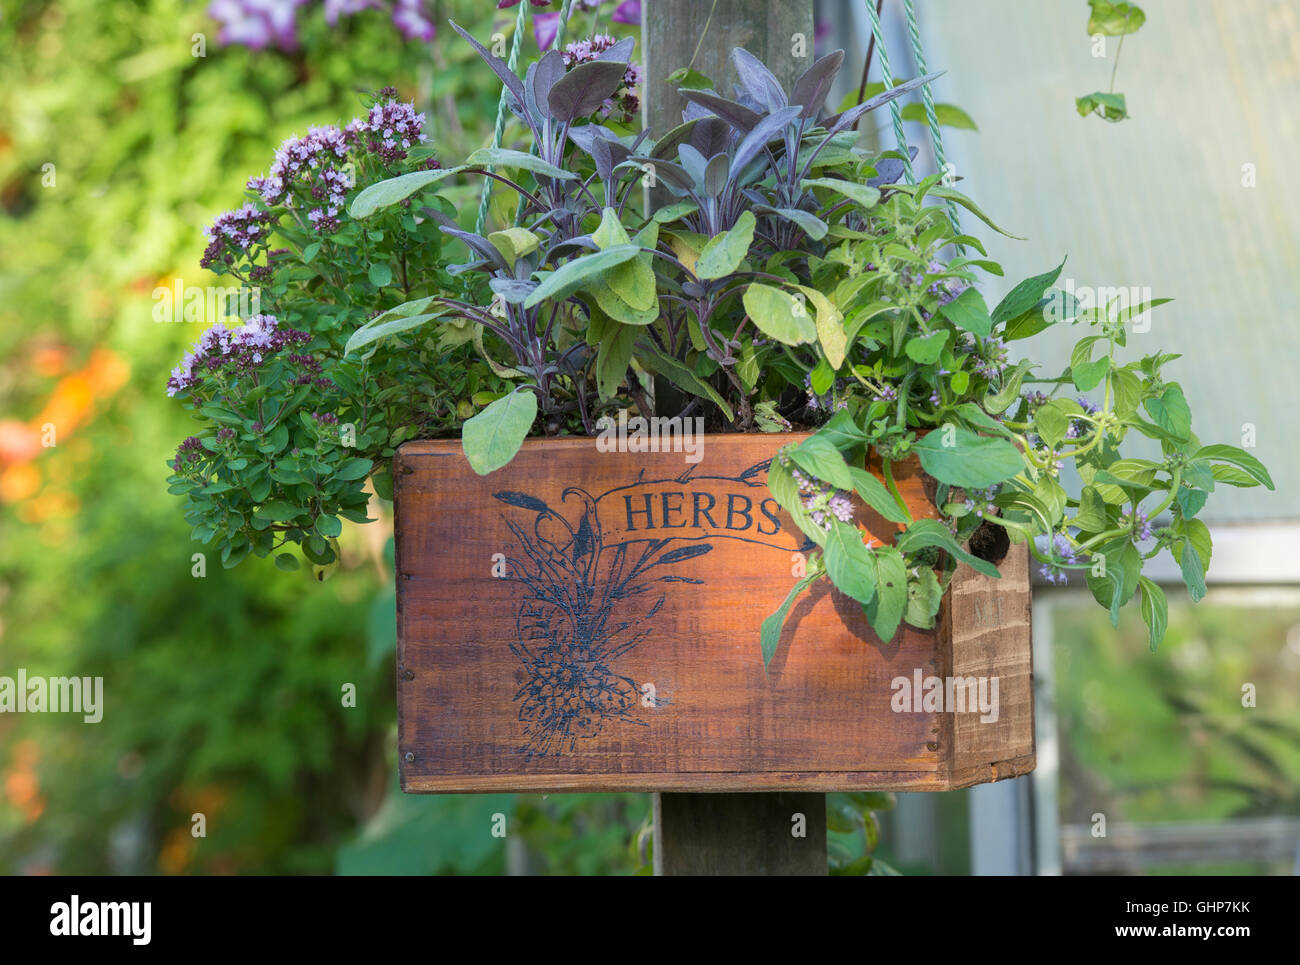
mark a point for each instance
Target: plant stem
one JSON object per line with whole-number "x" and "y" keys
{"x": 1174, "y": 483}
{"x": 699, "y": 43}
{"x": 887, "y": 466}
{"x": 866, "y": 64}
{"x": 1119, "y": 49}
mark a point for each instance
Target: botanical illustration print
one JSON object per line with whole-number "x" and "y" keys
{"x": 591, "y": 589}
{"x": 584, "y": 606}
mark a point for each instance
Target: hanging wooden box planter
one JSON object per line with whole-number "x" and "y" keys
{"x": 589, "y": 621}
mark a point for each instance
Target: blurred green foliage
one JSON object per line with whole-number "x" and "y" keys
{"x": 1165, "y": 737}
{"x": 223, "y": 693}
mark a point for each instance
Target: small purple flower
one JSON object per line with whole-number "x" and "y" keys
{"x": 1061, "y": 552}
{"x": 1035, "y": 399}
{"x": 325, "y": 221}
{"x": 824, "y": 502}
{"x": 841, "y": 507}
{"x": 394, "y": 128}
{"x": 1138, "y": 523}
{"x": 258, "y": 24}
{"x": 991, "y": 357}
{"x": 1080, "y": 428}
{"x": 346, "y": 8}
{"x": 980, "y": 501}
{"x": 188, "y": 453}
{"x": 231, "y": 352}
{"x": 234, "y": 235}
{"x": 627, "y": 99}
{"x": 946, "y": 288}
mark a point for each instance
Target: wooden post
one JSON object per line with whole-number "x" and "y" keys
{"x": 740, "y": 834}
{"x": 729, "y": 834}
{"x": 702, "y": 33}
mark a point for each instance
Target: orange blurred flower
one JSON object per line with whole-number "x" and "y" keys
{"x": 19, "y": 481}
{"x": 50, "y": 360}
{"x": 21, "y": 785}
{"x": 18, "y": 442}
{"x": 70, "y": 405}
{"x": 176, "y": 852}
{"x": 50, "y": 505}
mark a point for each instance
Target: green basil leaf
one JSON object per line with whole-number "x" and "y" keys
{"x": 969, "y": 312}
{"x": 818, "y": 456}
{"x": 849, "y": 563}
{"x": 877, "y": 496}
{"x": 972, "y": 461}
{"x": 885, "y": 611}
{"x": 931, "y": 532}
{"x": 1237, "y": 457}
{"x": 770, "y": 631}
{"x": 1025, "y": 295}
{"x": 1155, "y": 611}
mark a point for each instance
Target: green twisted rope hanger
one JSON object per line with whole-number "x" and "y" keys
{"x": 936, "y": 139}
{"x": 894, "y": 109}
{"x": 521, "y": 26}
{"x": 927, "y": 97}
{"x": 560, "y": 28}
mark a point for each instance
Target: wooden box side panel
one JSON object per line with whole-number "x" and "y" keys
{"x": 992, "y": 670}
{"x": 482, "y": 659}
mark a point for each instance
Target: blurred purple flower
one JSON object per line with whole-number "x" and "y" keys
{"x": 822, "y": 30}
{"x": 257, "y": 23}
{"x": 346, "y": 8}
{"x": 409, "y": 18}
{"x": 1139, "y": 524}
{"x": 629, "y": 12}
{"x": 545, "y": 27}
{"x": 262, "y": 23}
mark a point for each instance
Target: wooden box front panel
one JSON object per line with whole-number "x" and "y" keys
{"x": 585, "y": 620}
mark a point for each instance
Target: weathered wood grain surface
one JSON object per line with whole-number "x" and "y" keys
{"x": 610, "y": 657}
{"x": 701, "y": 34}
{"x": 740, "y": 834}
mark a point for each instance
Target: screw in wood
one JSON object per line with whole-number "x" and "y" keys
{"x": 408, "y": 675}
{"x": 932, "y": 746}
{"x": 410, "y": 756}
